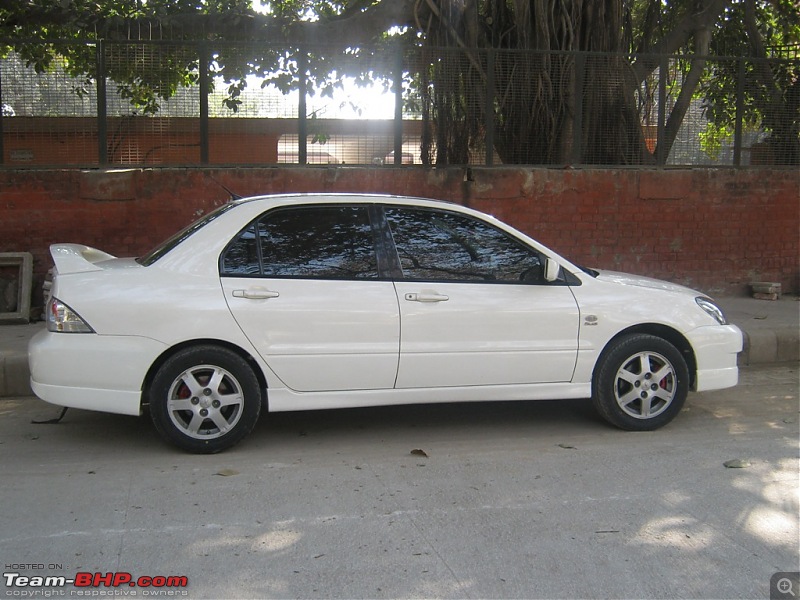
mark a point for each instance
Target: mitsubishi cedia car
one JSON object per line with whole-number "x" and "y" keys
{"x": 300, "y": 302}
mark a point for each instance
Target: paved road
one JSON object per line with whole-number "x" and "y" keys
{"x": 513, "y": 500}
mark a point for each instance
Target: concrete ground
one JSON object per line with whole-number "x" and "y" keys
{"x": 504, "y": 500}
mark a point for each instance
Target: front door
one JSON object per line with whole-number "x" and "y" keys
{"x": 474, "y": 306}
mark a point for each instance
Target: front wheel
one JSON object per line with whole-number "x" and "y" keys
{"x": 640, "y": 383}
{"x": 205, "y": 399}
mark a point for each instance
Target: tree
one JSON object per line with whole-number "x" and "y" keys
{"x": 516, "y": 67}
{"x": 768, "y": 86}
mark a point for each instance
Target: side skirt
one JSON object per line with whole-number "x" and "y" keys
{"x": 283, "y": 399}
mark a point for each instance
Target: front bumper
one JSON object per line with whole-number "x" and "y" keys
{"x": 90, "y": 371}
{"x": 716, "y": 350}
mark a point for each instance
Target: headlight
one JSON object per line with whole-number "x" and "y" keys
{"x": 62, "y": 319}
{"x": 711, "y": 309}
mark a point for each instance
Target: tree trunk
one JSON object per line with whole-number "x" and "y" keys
{"x": 702, "y": 41}
{"x": 535, "y": 106}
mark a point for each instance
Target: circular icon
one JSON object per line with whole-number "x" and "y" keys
{"x": 785, "y": 586}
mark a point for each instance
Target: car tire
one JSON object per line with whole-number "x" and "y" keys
{"x": 640, "y": 383}
{"x": 205, "y": 399}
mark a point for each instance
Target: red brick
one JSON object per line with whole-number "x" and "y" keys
{"x": 730, "y": 223}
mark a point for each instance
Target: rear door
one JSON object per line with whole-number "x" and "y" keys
{"x": 475, "y": 308}
{"x": 304, "y": 285}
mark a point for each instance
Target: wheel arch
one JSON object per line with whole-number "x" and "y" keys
{"x": 665, "y": 332}
{"x": 172, "y": 350}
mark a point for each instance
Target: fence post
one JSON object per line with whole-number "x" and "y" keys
{"x": 577, "y": 118}
{"x": 2, "y": 149}
{"x": 202, "y": 67}
{"x": 398, "y": 105}
{"x": 102, "y": 110}
{"x": 489, "y": 111}
{"x": 661, "y": 126}
{"x": 302, "y": 123}
{"x": 737, "y": 126}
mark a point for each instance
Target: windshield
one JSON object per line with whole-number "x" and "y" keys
{"x": 167, "y": 245}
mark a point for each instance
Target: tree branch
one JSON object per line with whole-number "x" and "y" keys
{"x": 649, "y": 26}
{"x": 680, "y": 34}
{"x": 354, "y": 27}
{"x": 761, "y": 65}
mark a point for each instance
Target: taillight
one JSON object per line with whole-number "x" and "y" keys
{"x": 62, "y": 319}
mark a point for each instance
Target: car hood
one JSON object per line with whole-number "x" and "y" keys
{"x": 77, "y": 258}
{"x": 645, "y": 282}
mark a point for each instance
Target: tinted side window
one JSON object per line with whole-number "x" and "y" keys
{"x": 242, "y": 257}
{"x": 327, "y": 242}
{"x": 436, "y": 245}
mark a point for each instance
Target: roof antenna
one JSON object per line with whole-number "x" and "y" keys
{"x": 230, "y": 193}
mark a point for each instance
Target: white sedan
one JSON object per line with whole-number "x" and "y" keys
{"x": 298, "y": 302}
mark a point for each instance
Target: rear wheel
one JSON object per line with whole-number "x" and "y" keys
{"x": 641, "y": 383}
{"x": 205, "y": 399}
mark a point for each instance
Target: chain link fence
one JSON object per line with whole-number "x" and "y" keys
{"x": 167, "y": 103}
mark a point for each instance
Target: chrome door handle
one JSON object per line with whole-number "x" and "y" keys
{"x": 427, "y": 297}
{"x": 255, "y": 294}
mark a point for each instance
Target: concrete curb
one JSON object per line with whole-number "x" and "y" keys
{"x": 771, "y": 329}
{"x": 769, "y": 346}
{"x": 14, "y": 370}
{"x": 14, "y": 375}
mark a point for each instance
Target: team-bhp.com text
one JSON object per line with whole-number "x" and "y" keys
{"x": 89, "y": 584}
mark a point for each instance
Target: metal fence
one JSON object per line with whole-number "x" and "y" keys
{"x": 200, "y": 103}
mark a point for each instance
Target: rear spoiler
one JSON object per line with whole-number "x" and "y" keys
{"x": 77, "y": 258}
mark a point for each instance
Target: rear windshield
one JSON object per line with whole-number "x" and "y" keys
{"x": 167, "y": 245}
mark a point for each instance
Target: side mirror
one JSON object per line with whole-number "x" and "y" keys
{"x": 551, "y": 270}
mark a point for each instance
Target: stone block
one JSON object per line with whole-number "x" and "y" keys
{"x": 17, "y": 292}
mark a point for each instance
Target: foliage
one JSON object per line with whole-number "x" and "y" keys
{"x": 533, "y": 108}
{"x": 766, "y": 88}
{"x": 712, "y": 138}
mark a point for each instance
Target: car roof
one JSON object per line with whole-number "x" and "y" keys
{"x": 359, "y": 198}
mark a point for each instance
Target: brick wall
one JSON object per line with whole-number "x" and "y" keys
{"x": 715, "y": 230}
